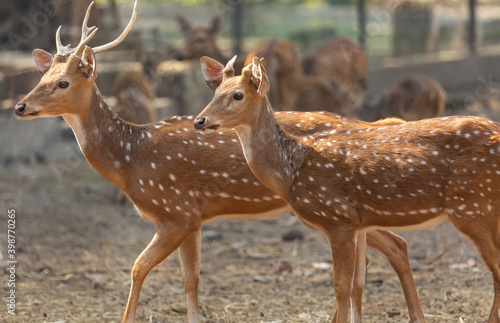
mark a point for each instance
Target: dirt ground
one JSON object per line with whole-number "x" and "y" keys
{"x": 75, "y": 249}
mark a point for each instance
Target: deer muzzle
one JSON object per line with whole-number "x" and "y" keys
{"x": 201, "y": 123}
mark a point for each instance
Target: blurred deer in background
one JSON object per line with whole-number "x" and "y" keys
{"x": 411, "y": 98}
{"x": 350, "y": 180}
{"x": 168, "y": 170}
{"x": 135, "y": 89}
{"x": 345, "y": 63}
{"x": 201, "y": 41}
{"x": 284, "y": 69}
{"x": 332, "y": 77}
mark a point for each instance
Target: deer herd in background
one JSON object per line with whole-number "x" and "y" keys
{"x": 331, "y": 77}
{"x": 350, "y": 180}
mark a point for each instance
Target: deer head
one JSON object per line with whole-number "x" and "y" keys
{"x": 234, "y": 95}
{"x": 67, "y": 77}
{"x": 198, "y": 41}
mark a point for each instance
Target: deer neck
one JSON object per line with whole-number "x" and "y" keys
{"x": 103, "y": 137}
{"x": 273, "y": 156}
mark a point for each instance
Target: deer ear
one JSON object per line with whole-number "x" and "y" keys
{"x": 259, "y": 77}
{"x": 215, "y": 25}
{"x": 88, "y": 64}
{"x": 212, "y": 72}
{"x": 43, "y": 60}
{"x": 184, "y": 24}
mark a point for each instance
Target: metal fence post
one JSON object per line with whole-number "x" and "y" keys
{"x": 362, "y": 23}
{"x": 237, "y": 23}
{"x": 472, "y": 39}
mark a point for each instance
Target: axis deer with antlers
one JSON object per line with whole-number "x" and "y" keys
{"x": 349, "y": 180}
{"x": 168, "y": 171}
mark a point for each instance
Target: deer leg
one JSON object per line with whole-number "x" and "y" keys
{"x": 189, "y": 252}
{"x": 359, "y": 279}
{"x": 487, "y": 242}
{"x": 165, "y": 241}
{"x": 343, "y": 246}
{"x": 394, "y": 249}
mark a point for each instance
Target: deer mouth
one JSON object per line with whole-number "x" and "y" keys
{"x": 214, "y": 127}
{"x": 28, "y": 116}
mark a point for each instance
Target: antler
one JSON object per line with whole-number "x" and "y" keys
{"x": 228, "y": 71}
{"x": 122, "y": 36}
{"x": 89, "y": 32}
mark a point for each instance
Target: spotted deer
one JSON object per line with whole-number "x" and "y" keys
{"x": 167, "y": 168}
{"x": 354, "y": 178}
{"x": 411, "y": 98}
{"x": 331, "y": 77}
{"x": 135, "y": 91}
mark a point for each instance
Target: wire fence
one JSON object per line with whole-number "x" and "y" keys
{"x": 400, "y": 29}
{"x": 389, "y": 28}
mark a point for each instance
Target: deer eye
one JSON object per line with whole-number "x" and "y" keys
{"x": 238, "y": 96}
{"x": 199, "y": 40}
{"x": 63, "y": 84}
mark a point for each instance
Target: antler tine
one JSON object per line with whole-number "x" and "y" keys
{"x": 85, "y": 28}
{"x": 120, "y": 38}
{"x": 79, "y": 50}
{"x": 59, "y": 44}
{"x": 61, "y": 49}
{"x": 87, "y": 33}
{"x": 228, "y": 71}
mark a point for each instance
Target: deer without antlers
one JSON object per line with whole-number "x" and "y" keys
{"x": 168, "y": 171}
{"x": 349, "y": 180}
{"x": 411, "y": 98}
{"x": 201, "y": 41}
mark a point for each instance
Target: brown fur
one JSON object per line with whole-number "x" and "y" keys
{"x": 168, "y": 171}
{"x": 356, "y": 178}
{"x": 184, "y": 174}
{"x": 135, "y": 95}
{"x": 283, "y": 67}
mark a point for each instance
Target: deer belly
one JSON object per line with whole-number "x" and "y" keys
{"x": 425, "y": 224}
{"x": 251, "y": 216}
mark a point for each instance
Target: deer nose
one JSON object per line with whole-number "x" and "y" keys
{"x": 178, "y": 56}
{"x": 199, "y": 123}
{"x": 20, "y": 109}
